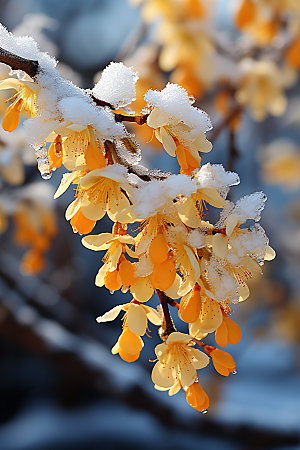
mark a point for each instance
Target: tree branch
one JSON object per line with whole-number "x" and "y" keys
{"x": 164, "y": 300}
{"x": 226, "y": 121}
{"x": 16, "y": 62}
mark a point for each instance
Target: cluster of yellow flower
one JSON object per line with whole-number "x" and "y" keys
{"x": 176, "y": 253}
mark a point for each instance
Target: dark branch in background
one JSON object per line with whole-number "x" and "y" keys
{"x": 233, "y": 113}
{"x": 233, "y": 153}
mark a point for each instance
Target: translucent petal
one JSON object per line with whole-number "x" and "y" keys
{"x": 186, "y": 287}
{"x": 142, "y": 290}
{"x": 270, "y": 253}
{"x": 130, "y": 342}
{"x": 220, "y": 245}
{"x": 194, "y": 261}
{"x": 211, "y": 316}
{"x": 126, "y": 239}
{"x": 137, "y": 319}
{"x": 115, "y": 257}
{"x": 168, "y": 142}
{"x": 195, "y": 330}
{"x": 99, "y": 281}
{"x": 92, "y": 211}
{"x": 177, "y": 337}
{"x": 200, "y": 359}
{"x": 162, "y": 376}
{"x": 187, "y": 375}
{"x": 234, "y": 331}
{"x": 73, "y": 208}
{"x": 221, "y": 335}
{"x": 188, "y": 213}
{"x": 244, "y": 292}
{"x": 116, "y": 206}
{"x": 212, "y": 197}
{"x": 66, "y": 180}
{"x": 161, "y": 351}
{"x": 157, "y": 118}
{"x": 172, "y": 292}
{"x": 98, "y": 241}
{"x": 153, "y": 315}
{"x": 223, "y": 358}
{"x": 231, "y": 222}
{"x": 175, "y": 388}
{"x": 111, "y": 315}
{"x": 202, "y": 144}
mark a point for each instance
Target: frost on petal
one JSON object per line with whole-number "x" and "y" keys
{"x": 220, "y": 245}
{"x": 117, "y": 85}
{"x": 111, "y": 315}
{"x": 137, "y": 319}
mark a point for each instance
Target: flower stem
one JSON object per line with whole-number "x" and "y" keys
{"x": 164, "y": 300}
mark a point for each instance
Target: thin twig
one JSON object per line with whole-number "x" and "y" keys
{"x": 16, "y": 62}
{"x": 226, "y": 121}
{"x": 165, "y": 300}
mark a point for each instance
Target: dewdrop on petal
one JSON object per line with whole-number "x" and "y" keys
{"x": 43, "y": 161}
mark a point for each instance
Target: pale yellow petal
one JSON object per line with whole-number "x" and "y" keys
{"x": 175, "y": 388}
{"x": 270, "y": 253}
{"x": 137, "y": 319}
{"x": 200, "y": 359}
{"x": 73, "y": 208}
{"x": 99, "y": 281}
{"x": 92, "y": 211}
{"x": 162, "y": 376}
{"x": 116, "y": 348}
{"x": 194, "y": 261}
{"x": 161, "y": 351}
{"x": 186, "y": 287}
{"x": 157, "y": 134}
{"x": 66, "y": 180}
{"x": 77, "y": 127}
{"x": 220, "y": 245}
{"x": 168, "y": 142}
{"x": 126, "y": 239}
{"x": 211, "y": 316}
{"x": 188, "y": 213}
{"x": 195, "y": 330}
{"x": 232, "y": 221}
{"x": 98, "y": 241}
{"x": 187, "y": 375}
{"x": 153, "y": 316}
{"x": 202, "y": 144}
{"x": 127, "y": 215}
{"x": 212, "y": 196}
{"x": 243, "y": 291}
{"x": 115, "y": 257}
{"x": 142, "y": 290}
{"x": 177, "y": 337}
{"x": 172, "y": 292}
{"x": 111, "y": 315}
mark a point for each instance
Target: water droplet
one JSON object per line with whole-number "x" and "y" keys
{"x": 46, "y": 175}
{"x": 204, "y": 411}
{"x": 111, "y": 292}
{"x": 234, "y": 372}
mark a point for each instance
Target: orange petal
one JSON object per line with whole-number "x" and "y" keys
{"x": 234, "y": 331}
{"x": 164, "y": 275}
{"x": 181, "y": 157}
{"x": 126, "y": 271}
{"x": 221, "y": 369}
{"x": 81, "y": 224}
{"x": 196, "y": 397}
{"x": 11, "y": 118}
{"x": 55, "y": 152}
{"x": 110, "y": 281}
{"x": 32, "y": 262}
{"x": 127, "y": 356}
{"x": 292, "y": 54}
{"x": 191, "y": 305}
{"x": 158, "y": 250}
{"x": 221, "y": 334}
{"x": 130, "y": 342}
{"x": 223, "y": 358}
{"x": 94, "y": 157}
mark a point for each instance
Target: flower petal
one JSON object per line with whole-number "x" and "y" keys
{"x": 194, "y": 261}
{"x": 270, "y": 254}
{"x": 231, "y": 222}
{"x": 98, "y": 241}
{"x": 168, "y": 142}
{"x": 177, "y": 337}
{"x": 116, "y": 256}
{"x": 142, "y": 290}
{"x": 99, "y": 281}
{"x": 137, "y": 319}
{"x": 220, "y": 245}
{"x": 200, "y": 359}
{"x": 73, "y": 208}
{"x": 212, "y": 196}
{"x": 111, "y": 315}
{"x": 172, "y": 292}
{"x": 163, "y": 376}
{"x": 153, "y": 315}
{"x": 188, "y": 213}
{"x": 93, "y": 211}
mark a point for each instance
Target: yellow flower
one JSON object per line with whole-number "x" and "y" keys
{"x": 24, "y": 100}
{"x": 177, "y": 364}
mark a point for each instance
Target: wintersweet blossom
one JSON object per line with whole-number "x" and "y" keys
{"x": 24, "y": 100}
{"x": 177, "y": 364}
{"x": 181, "y": 130}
